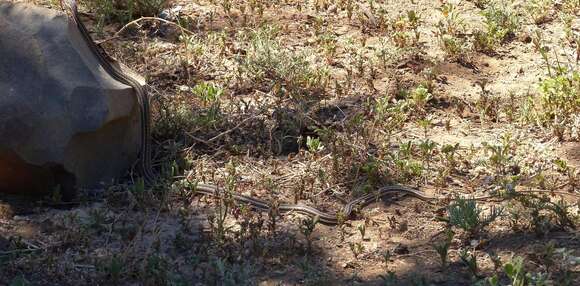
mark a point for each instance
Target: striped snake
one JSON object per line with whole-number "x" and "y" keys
{"x": 112, "y": 68}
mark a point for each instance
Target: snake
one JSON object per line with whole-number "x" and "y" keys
{"x": 115, "y": 70}
{"x": 325, "y": 218}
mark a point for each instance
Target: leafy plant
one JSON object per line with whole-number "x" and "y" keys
{"x": 419, "y": 97}
{"x": 491, "y": 281}
{"x": 545, "y": 215}
{"x": 125, "y": 10}
{"x": 356, "y": 248}
{"x": 19, "y": 281}
{"x": 314, "y": 145}
{"x": 454, "y": 47}
{"x": 449, "y": 154}
{"x": 516, "y": 272}
{"x": 406, "y": 30}
{"x": 217, "y": 220}
{"x": 487, "y": 104}
{"x": 559, "y": 102}
{"x": 443, "y": 247}
{"x": 450, "y": 30}
{"x": 501, "y": 22}
{"x": 156, "y": 270}
{"x": 470, "y": 260}
{"x": 280, "y": 71}
{"x": 230, "y": 274}
{"x": 500, "y": 155}
{"x": 362, "y": 230}
{"x": 538, "y": 10}
{"x": 387, "y": 258}
{"x": 452, "y": 23}
{"x": 210, "y": 95}
{"x": 307, "y": 227}
{"x": 113, "y": 268}
{"x": 465, "y": 214}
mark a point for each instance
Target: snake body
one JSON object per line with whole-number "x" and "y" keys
{"x": 120, "y": 75}
{"x": 323, "y": 217}
{"x": 115, "y": 71}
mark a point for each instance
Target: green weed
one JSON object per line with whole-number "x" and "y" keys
{"x": 284, "y": 73}
{"x": 465, "y": 214}
{"x": 450, "y": 30}
{"x": 125, "y": 10}
{"x": 501, "y": 23}
{"x": 443, "y": 247}
{"x": 559, "y": 102}
{"x": 538, "y": 10}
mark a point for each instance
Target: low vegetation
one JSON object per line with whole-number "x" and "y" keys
{"x": 319, "y": 102}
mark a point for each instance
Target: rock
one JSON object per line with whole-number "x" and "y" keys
{"x": 64, "y": 122}
{"x": 171, "y": 14}
{"x": 332, "y": 8}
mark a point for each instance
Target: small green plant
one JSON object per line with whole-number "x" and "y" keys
{"x": 307, "y": 227}
{"x": 470, "y": 260}
{"x": 356, "y": 248}
{"x": 273, "y": 214}
{"x": 443, "y": 247}
{"x": 516, "y": 272}
{"x": 406, "y": 168}
{"x": 390, "y": 279}
{"x": 278, "y": 70}
{"x": 491, "y": 281}
{"x": 217, "y": 220}
{"x": 406, "y": 30}
{"x": 56, "y": 195}
{"x": 545, "y": 215}
{"x": 539, "y": 10}
{"x": 487, "y": 104}
{"x": 501, "y": 23}
{"x": 314, "y": 145}
{"x": 97, "y": 219}
{"x": 500, "y": 155}
{"x": 450, "y": 30}
{"x": 138, "y": 188}
{"x": 427, "y": 148}
{"x": 456, "y": 49}
{"x": 362, "y": 230}
{"x": 425, "y": 124}
{"x": 113, "y": 268}
{"x": 156, "y": 270}
{"x": 230, "y": 274}
{"x": 465, "y": 214}
{"x": 572, "y": 174}
{"x": 419, "y": 97}
{"x": 559, "y": 102}
{"x": 387, "y": 258}
{"x": 19, "y": 281}
{"x": 449, "y": 152}
{"x": 452, "y": 22}
{"x": 329, "y": 43}
{"x": 210, "y": 95}
{"x": 125, "y": 10}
